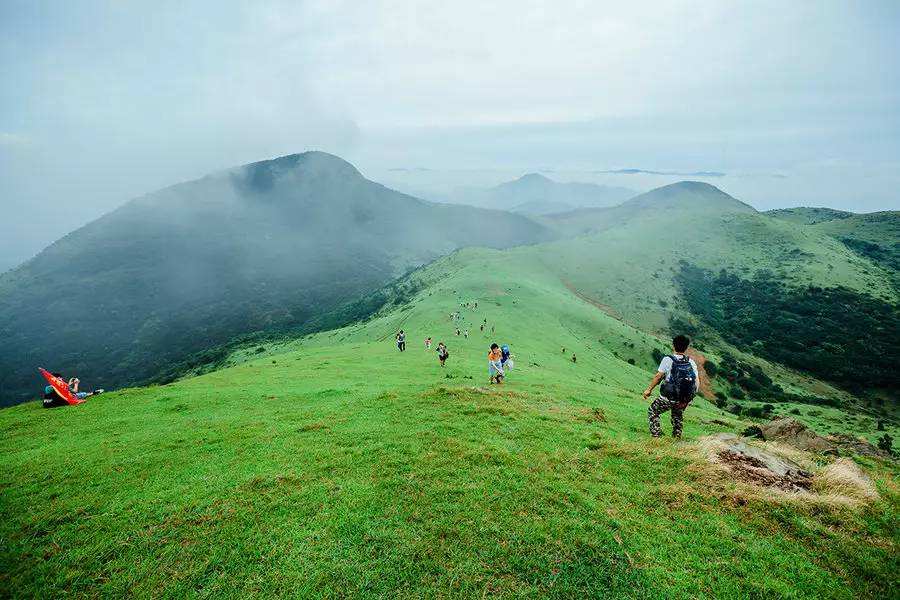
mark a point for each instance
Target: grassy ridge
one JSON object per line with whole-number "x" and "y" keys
{"x": 335, "y": 465}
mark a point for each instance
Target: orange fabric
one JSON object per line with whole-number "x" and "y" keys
{"x": 61, "y": 387}
{"x": 494, "y": 355}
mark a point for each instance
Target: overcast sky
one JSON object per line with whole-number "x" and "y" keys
{"x": 796, "y": 102}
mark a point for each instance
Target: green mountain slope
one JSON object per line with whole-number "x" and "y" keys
{"x": 335, "y": 465}
{"x": 626, "y": 257}
{"x": 268, "y": 246}
{"x": 875, "y": 236}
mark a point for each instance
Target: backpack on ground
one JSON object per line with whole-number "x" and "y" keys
{"x": 680, "y": 387}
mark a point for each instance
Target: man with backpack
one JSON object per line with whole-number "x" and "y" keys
{"x": 681, "y": 380}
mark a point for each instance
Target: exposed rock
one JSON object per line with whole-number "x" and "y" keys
{"x": 791, "y": 431}
{"x": 848, "y": 443}
{"x": 755, "y": 465}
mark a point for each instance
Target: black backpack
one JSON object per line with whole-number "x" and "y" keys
{"x": 682, "y": 381}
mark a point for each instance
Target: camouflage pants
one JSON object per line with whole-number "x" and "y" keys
{"x": 658, "y": 407}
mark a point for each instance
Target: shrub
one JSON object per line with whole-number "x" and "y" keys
{"x": 756, "y": 412}
{"x": 752, "y": 431}
{"x": 711, "y": 368}
{"x": 886, "y": 443}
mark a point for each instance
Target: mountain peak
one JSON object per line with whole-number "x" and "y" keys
{"x": 696, "y": 192}
{"x": 261, "y": 176}
{"x": 534, "y": 177}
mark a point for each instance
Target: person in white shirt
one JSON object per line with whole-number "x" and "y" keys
{"x": 681, "y": 381}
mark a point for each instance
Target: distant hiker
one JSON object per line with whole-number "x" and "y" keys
{"x": 495, "y": 368}
{"x": 505, "y": 358}
{"x": 401, "y": 341}
{"x": 457, "y": 331}
{"x": 573, "y": 358}
{"x": 476, "y": 305}
{"x": 466, "y": 334}
{"x": 442, "y": 353}
{"x": 564, "y": 350}
{"x": 482, "y": 327}
{"x": 428, "y": 343}
{"x": 681, "y": 382}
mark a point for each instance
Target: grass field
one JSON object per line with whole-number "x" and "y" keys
{"x": 337, "y": 466}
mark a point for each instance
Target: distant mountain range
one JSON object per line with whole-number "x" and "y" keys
{"x": 266, "y": 246}
{"x": 535, "y": 194}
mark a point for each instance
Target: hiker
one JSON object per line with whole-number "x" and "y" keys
{"x": 495, "y": 368}
{"x": 401, "y": 341}
{"x": 564, "y": 350}
{"x": 681, "y": 380}
{"x": 466, "y": 334}
{"x": 482, "y": 328}
{"x": 442, "y": 353}
{"x": 457, "y": 331}
{"x": 573, "y": 358}
{"x": 476, "y": 305}
{"x": 428, "y": 343}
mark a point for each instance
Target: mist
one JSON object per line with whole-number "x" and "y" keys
{"x": 103, "y": 102}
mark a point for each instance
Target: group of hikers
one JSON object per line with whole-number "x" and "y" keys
{"x": 677, "y": 372}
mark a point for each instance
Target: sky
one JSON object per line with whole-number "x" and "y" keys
{"x": 793, "y": 103}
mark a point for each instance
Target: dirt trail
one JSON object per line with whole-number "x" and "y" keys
{"x": 607, "y": 309}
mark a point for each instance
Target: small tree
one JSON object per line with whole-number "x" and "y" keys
{"x": 886, "y": 443}
{"x": 721, "y": 400}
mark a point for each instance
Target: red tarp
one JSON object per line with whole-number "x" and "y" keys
{"x": 61, "y": 387}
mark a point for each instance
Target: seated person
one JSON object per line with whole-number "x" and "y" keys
{"x": 52, "y": 398}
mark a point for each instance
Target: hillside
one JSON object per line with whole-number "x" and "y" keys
{"x": 267, "y": 246}
{"x": 874, "y": 236}
{"x": 535, "y": 194}
{"x": 335, "y": 465}
{"x": 626, "y": 257}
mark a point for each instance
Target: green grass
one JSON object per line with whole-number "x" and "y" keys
{"x": 336, "y": 466}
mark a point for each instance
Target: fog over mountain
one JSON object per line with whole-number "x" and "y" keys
{"x": 537, "y": 194}
{"x": 103, "y": 101}
{"x": 268, "y": 246}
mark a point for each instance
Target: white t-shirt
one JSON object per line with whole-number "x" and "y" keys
{"x": 665, "y": 366}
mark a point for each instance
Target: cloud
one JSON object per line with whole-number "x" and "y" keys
{"x": 125, "y": 99}
{"x": 676, "y": 173}
{"x": 13, "y": 139}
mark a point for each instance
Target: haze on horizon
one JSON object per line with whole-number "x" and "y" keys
{"x": 794, "y": 103}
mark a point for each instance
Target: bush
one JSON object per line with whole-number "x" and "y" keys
{"x": 752, "y": 431}
{"x": 737, "y": 392}
{"x": 711, "y": 368}
{"x": 886, "y": 443}
{"x": 756, "y": 412}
